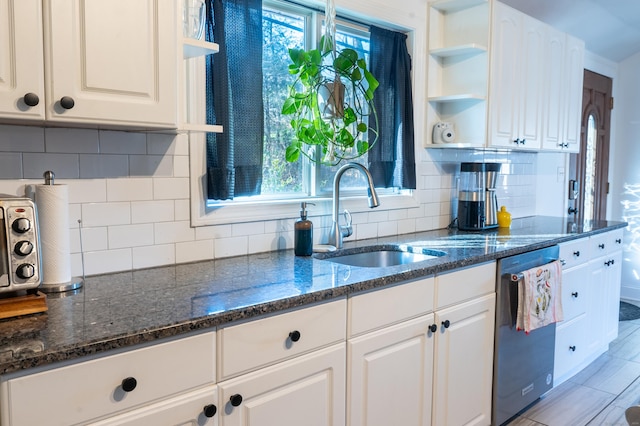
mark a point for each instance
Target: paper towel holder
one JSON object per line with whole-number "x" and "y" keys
{"x": 76, "y": 282}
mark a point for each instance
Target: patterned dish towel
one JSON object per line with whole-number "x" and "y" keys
{"x": 539, "y": 297}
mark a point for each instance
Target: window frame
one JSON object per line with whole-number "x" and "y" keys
{"x": 204, "y": 213}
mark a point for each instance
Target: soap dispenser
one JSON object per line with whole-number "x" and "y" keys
{"x": 504, "y": 218}
{"x": 303, "y": 233}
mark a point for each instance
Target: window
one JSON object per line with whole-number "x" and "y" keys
{"x": 282, "y": 185}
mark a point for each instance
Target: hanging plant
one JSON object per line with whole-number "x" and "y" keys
{"x": 330, "y": 101}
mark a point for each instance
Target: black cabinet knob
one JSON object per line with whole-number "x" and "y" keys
{"x": 601, "y": 246}
{"x": 523, "y": 141}
{"x": 576, "y": 253}
{"x": 67, "y": 102}
{"x": 574, "y": 294}
{"x": 294, "y": 335}
{"x": 129, "y": 384}
{"x": 236, "y": 399}
{"x": 31, "y": 99}
{"x": 572, "y": 348}
{"x": 446, "y": 323}
{"x": 433, "y": 328}
{"x": 210, "y": 410}
{"x": 516, "y": 141}
{"x": 618, "y": 241}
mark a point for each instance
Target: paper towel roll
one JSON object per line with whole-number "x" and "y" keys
{"x": 52, "y": 202}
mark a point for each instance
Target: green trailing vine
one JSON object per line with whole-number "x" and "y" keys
{"x": 330, "y": 102}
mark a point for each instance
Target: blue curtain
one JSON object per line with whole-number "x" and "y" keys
{"x": 234, "y": 98}
{"x": 392, "y": 158}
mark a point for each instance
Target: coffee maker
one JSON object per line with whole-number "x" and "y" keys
{"x": 477, "y": 201}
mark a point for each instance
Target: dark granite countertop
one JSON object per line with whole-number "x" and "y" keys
{"x": 124, "y": 309}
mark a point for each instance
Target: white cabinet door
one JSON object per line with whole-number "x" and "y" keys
{"x": 596, "y": 305}
{"x": 574, "y": 74}
{"x": 613, "y": 271}
{"x": 463, "y": 365}
{"x": 308, "y": 390}
{"x": 504, "y": 86}
{"x": 192, "y": 408}
{"x": 390, "y": 375}
{"x": 554, "y": 90}
{"x": 112, "y": 62}
{"x": 21, "y": 59}
{"x": 516, "y": 79}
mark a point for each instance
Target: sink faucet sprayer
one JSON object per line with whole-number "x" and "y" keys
{"x": 337, "y": 231}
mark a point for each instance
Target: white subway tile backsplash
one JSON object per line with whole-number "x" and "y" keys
{"x": 65, "y": 166}
{"x": 250, "y": 228}
{"x": 86, "y": 190}
{"x": 233, "y": 246}
{"x": 132, "y": 190}
{"x": 173, "y": 232}
{"x": 150, "y": 256}
{"x": 130, "y": 236}
{"x": 93, "y": 239}
{"x": 151, "y": 165}
{"x": 94, "y": 166}
{"x": 66, "y": 140}
{"x": 101, "y": 262}
{"x": 213, "y": 232}
{"x": 171, "y": 188}
{"x": 21, "y": 138}
{"x": 10, "y": 165}
{"x": 135, "y": 189}
{"x": 182, "y": 210}
{"x": 192, "y": 251}
{"x": 152, "y": 211}
{"x": 181, "y": 166}
{"x": 113, "y": 142}
{"x": 162, "y": 144}
{"x": 106, "y": 214}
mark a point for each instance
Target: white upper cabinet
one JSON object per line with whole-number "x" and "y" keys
{"x": 21, "y": 56}
{"x": 574, "y": 74}
{"x": 501, "y": 79}
{"x": 516, "y": 79}
{"x": 111, "y": 62}
{"x": 90, "y": 62}
{"x": 564, "y": 65}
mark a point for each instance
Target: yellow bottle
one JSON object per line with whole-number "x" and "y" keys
{"x": 504, "y": 218}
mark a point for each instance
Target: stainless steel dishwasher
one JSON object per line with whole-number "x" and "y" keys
{"x": 523, "y": 363}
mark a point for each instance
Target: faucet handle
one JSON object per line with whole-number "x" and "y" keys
{"x": 347, "y": 229}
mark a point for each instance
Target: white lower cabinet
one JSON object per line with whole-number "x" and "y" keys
{"x": 308, "y": 390}
{"x": 192, "y": 408}
{"x": 390, "y": 375}
{"x": 463, "y": 364}
{"x": 590, "y": 300}
{"x": 93, "y": 390}
{"x": 433, "y": 369}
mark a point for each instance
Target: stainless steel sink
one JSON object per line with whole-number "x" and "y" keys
{"x": 380, "y": 256}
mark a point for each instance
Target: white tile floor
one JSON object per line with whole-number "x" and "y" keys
{"x": 598, "y": 395}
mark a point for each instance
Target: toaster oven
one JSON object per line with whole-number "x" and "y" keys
{"x": 19, "y": 245}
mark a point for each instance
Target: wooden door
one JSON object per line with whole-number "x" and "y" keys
{"x": 590, "y": 168}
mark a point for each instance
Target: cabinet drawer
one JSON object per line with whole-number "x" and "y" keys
{"x": 186, "y": 409}
{"x": 571, "y": 349}
{"x": 600, "y": 244}
{"x": 574, "y": 252}
{"x": 247, "y": 346}
{"x": 383, "y": 307}
{"x": 465, "y": 284}
{"x": 575, "y": 283}
{"x": 615, "y": 239}
{"x": 92, "y": 389}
